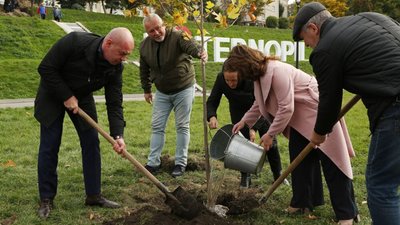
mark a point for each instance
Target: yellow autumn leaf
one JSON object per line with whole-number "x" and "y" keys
{"x": 218, "y": 16}
{"x": 146, "y": 11}
{"x": 209, "y": 5}
{"x": 223, "y": 22}
{"x": 232, "y": 11}
{"x": 205, "y": 32}
{"x": 131, "y": 1}
{"x": 127, "y": 13}
{"x": 242, "y": 3}
{"x": 196, "y": 13}
{"x": 178, "y": 18}
{"x": 9, "y": 163}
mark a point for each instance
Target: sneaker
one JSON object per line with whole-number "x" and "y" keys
{"x": 178, "y": 170}
{"x": 245, "y": 180}
{"x": 152, "y": 169}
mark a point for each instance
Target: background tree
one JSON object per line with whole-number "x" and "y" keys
{"x": 388, "y": 7}
{"x": 337, "y": 8}
{"x": 113, "y": 5}
{"x": 281, "y": 10}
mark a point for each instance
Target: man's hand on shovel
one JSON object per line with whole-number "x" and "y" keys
{"x": 119, "y": 146}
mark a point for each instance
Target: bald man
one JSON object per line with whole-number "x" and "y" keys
{"x": 76, "y": 66}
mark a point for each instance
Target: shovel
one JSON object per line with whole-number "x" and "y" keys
{"x": 303, "y": 154}
{"x": 181, "y": 203}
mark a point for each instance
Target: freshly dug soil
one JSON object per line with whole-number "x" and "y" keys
{"x": 151, "y": 216}
{"x": 153, "y": 211}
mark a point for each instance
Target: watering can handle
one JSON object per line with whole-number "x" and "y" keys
{"x": 304, "y": 153}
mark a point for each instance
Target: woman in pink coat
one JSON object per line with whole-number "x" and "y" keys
{"x": 288, "y": 97}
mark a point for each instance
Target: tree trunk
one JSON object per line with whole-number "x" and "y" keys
{"x": 103, "y": 6}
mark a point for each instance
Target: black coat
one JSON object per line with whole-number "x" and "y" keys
{"x": 74, "y": 66}
{"x": 361, "y": 54}
{"x": 240, "y": 101}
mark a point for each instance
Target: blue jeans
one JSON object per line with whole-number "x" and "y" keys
{"x": 163, "y": 104}
{"x": 383, "y": 169}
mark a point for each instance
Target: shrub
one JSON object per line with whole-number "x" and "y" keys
{"x": 271, "y": 22}
{"x": 77, "y": 6}
{"x": 283, "y": 23}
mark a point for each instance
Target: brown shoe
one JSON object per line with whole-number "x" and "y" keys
{"x": 46, "y": 205}
{"x": 293, "y": 211}
{"x": 98, "y": 200}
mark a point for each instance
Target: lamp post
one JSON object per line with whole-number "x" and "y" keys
{"x": 297, "y": 42}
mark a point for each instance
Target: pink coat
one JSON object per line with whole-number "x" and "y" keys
{"x": 288, "y": 97}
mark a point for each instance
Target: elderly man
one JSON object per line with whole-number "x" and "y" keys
{"x": 166, "y": 60}
{"x": 361, "y": 54}
{"x": 76, "y": 66}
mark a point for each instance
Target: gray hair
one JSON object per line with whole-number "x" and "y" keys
{"x": 318, "y": 19}
{"x": 150, "y": 17}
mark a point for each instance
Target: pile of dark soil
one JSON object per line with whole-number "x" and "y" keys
{"x": 153, "y": 211}
{"x": 149, "y": 215}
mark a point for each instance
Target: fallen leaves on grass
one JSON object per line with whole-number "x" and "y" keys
{"x": 9, "y": 163}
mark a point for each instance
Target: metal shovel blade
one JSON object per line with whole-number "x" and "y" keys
{"x": 186, "y": 207}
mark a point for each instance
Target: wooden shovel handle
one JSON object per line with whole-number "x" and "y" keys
{"x": 304, "y": 153}
{"x": 127, "y": 155}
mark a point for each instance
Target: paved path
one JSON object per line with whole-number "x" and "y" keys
{"x": 28, "y": 102}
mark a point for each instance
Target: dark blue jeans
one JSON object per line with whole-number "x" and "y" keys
{"x": 50, "y": 140}
{"x": 383, "y": 169}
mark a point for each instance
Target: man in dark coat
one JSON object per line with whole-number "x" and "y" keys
{"x": 361, "y": 54}
{"x": 76, "y": 66}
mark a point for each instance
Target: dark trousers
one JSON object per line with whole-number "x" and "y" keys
{"x": 307, "y": 182}
{"x": 50, "y": 140}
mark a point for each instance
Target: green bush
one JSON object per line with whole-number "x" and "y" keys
{"x": 283, "y": 23}
{"x": 271, "y": 22}
{"x": 77, "y": 6}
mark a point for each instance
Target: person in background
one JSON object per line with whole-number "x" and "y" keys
{"x": 367, "y": 63}
{"x": 76, "y": 66}
{"x": 288, "y": 97}
{"x": 166, "y": 60}
{"x": 239, "y": 93}
{"x": 57, "y": 13}
{"x": 42, "y": 11}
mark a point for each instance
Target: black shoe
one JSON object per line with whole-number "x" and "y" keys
{"x": 46, "y": 205}
{"x": 178, "y": 170}
{"x": 98, "y": 200}
{"x": 245, "y": 180}
{"x": 152, "y": 169}
{"x": 285, "y": 181}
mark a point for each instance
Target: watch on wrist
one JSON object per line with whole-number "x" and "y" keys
{"x": 118, "y": 137}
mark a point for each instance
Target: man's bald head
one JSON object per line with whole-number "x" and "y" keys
{"x": 117, "y": 45}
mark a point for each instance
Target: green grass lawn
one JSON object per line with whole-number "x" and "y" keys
{"x": 23, "y": 43}
{"x": 19, "y": 194}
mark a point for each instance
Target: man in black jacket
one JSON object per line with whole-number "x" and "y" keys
{"x": 240, "y": 96}
{"x": 361, "y": 54}
{"x": 76, "y": 66}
